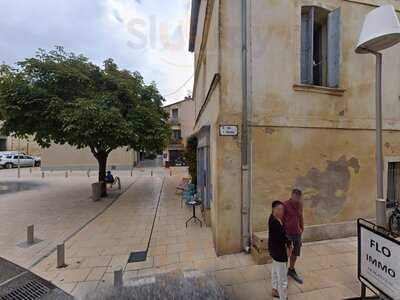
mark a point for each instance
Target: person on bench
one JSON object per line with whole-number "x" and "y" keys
{"x": 111, "y": 180}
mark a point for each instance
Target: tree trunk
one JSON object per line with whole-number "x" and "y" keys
{"x": 102, "y": 161}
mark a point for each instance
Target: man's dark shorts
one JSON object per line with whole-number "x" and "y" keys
{"x": 296, "y": 241}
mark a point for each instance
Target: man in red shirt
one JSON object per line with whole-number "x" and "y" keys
{"x": 294, "y": 227}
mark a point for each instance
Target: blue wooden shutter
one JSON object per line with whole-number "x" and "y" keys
{"x": 307, "y": 45}
{"x": 334, "y": 48}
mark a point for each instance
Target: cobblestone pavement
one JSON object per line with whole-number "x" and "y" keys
{"x": 328, "y": 268}
{"x": 57, "y": 207}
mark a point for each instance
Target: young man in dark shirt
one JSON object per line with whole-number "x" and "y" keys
{"x": 280, "y": 249}
{"x": 294, "y": 227}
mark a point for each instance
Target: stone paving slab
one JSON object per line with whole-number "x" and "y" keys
{"x": 328, "y": 267}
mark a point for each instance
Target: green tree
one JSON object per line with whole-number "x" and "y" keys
{"x": 191, "y": 157}
{"x": 63, "y": 98}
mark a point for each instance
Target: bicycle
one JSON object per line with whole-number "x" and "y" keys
{"x": 394, "y": 221}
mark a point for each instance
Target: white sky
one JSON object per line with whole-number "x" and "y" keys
{"x": 149, "y": 36}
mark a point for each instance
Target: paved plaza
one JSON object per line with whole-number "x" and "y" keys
{"x": 328, "y": 268}
{"x": 57, "y": 207}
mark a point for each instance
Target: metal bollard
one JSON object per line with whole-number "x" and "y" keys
{"x": 88, "y": 173}
{"x": 30, "y": 170}
{"x": 61, "y": 256}
{"x": 42, "y": 174}
{"x": 151, "y": 172}
{"x": 131, "y": 172}
{"x": 30, "y": 237}
{"x": 66, "y": 174}
{"x": 170, "y": 172}
{"x": 118, "y": 281}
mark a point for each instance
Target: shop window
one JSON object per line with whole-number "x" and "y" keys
{"x": 320, "y": 46}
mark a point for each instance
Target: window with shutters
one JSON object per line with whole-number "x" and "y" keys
{"x": 320, "y": 46}
{"x": 174, "y": 114}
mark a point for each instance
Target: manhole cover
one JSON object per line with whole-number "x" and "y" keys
{"x": 17, "y": 283}
{"x": 31, "y": 290}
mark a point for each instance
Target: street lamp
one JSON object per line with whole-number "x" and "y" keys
{"x": 380, "y": 31}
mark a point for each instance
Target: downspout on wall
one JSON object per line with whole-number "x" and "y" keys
{"x": 246, "y": 132}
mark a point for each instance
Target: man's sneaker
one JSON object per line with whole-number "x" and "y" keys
{"x": 292, "y": 273}
{"x": 275, "y": 293}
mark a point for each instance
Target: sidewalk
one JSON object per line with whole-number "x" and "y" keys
{"x": 328, "y": 268}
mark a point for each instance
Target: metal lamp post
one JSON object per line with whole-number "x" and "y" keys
{"x": 381, "y": 30}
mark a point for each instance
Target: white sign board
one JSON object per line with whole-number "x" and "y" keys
{"x": 228, "y": 130}
{"x": 379, "y": 261}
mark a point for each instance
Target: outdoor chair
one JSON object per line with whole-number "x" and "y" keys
{"x": 182, "y": 186}
{"x": 188, "y": 194}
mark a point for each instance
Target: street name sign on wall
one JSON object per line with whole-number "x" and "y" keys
{"x": 228, "y": 130}
{"x": 378, "y": 260}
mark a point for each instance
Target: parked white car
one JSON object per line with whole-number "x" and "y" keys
{"x": 9, "y": 161}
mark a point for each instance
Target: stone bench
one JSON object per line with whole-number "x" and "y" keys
{"x": 259, "y": 250}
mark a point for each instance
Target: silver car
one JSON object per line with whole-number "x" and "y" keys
{"x": 9, "y": 161}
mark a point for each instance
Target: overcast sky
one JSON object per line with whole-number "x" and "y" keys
{"x": 149, "y": 36}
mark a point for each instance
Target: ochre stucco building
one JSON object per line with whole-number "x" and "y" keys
{"x": 286, "y": 74}
{"x": 181, "y": 120}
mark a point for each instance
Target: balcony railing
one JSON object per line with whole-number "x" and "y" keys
{"x": 176, "y": 141}
{"x": 174, "y": 121}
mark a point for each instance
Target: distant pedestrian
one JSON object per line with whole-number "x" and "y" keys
{"x": 280, "y": 249}
{"x": 294, "y": 227}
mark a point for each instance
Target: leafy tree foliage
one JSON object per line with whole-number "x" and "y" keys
{"x": 60, "y": 97}
{"x": 191, "y": 157}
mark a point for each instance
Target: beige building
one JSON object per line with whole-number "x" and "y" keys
{"x": 27, "y": 146}
{"x": 181, "y": 118}
{"x": 66, "y": 157}
{"x": 285, "y": 75}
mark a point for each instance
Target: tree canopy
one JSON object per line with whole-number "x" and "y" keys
{"x": 61, "y": 97}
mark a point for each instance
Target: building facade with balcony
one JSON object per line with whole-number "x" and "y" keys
{"x": 181, "y": 119}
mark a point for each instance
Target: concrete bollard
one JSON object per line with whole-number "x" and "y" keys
{"x": 61, "y": 256}
{"x": 96, "y": 191}
{"x": 42, "y": 174}
{"x": 30, "y": 237}
{"x": 66, "y": 174}
{"x": 30, "y": 170}
{"x": 118, "y": 281}
{"x": 170, "y": 172}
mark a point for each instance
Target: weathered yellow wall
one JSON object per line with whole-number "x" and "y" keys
{"x": 229, "y": 148}
{"x": 321, "y": 143}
